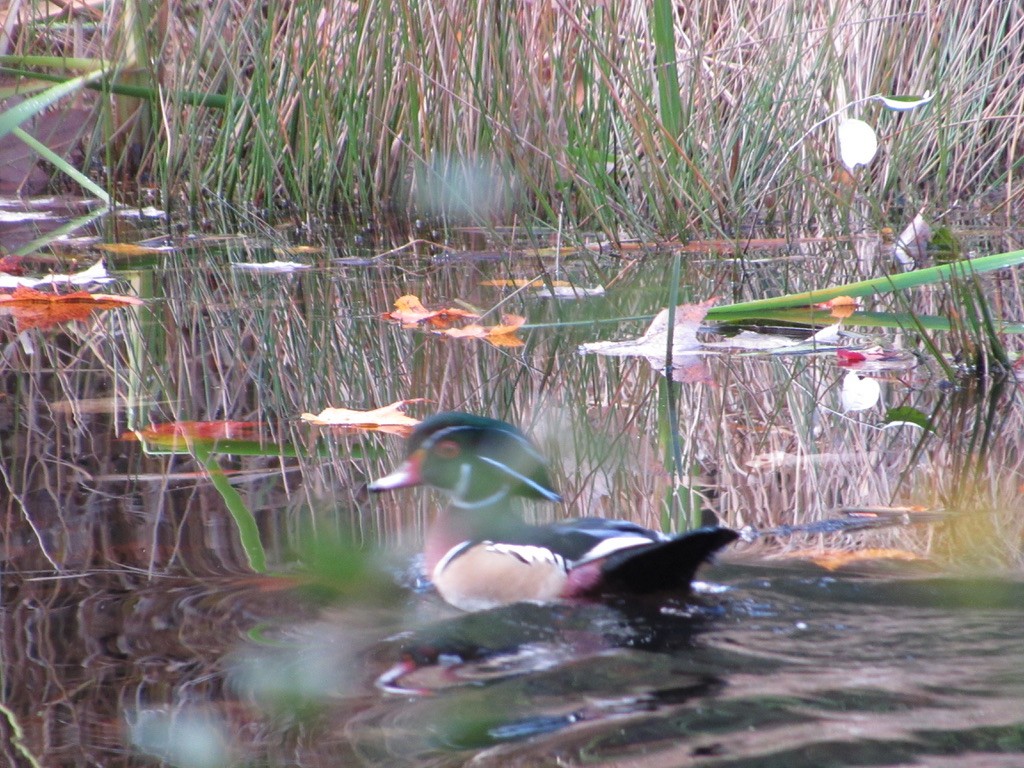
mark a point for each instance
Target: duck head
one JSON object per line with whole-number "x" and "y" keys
{"x": 478, "y": 462}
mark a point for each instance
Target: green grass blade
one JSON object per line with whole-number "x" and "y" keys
{"x": 666, "y": 74}
{"x": 248, "y": 530}
{"x": 189, "y": 98}
{"x": 886, "y": 284}
{"x": 62, "y": 165}
{"x": 810, "y": 316}
{"x": 48, "y": 238}
{"x": 31, "y": 107}
{"x": 54, "y": 62}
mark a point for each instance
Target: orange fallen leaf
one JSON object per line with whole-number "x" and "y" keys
{"x": 293, "y": 250}
{"x": 388, "y": 418}
{"x": 37, "y": 309}
{"x": 501, "y": 335}
{"x": 410, "y": 311}
{"x": 833, "y": 560}
{"x": 519, "y": 282}
{"x": 840, "y": 306}
{"x": 128, "y": 249}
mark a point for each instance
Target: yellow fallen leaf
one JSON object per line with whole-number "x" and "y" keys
{"x": 410, "y": 311}
{"x": 501, "y": 335}
{"x": 388, "y": 418}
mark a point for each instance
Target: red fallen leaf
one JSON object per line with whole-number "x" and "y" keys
{"x": 36, "y": 309}
{"x": 388, "y": 418}
{"x": 176, "y": 435}
{"x": 179, "y": 433}
{"x": 410, "y": 311}
{"x": 209, "y": 430}
{"x": 850, "y": 356}
{"x": 12, "y": 265}
{"x": 501, "y": 335}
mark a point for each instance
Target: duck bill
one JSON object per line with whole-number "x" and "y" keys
{"x": 405, "y": 475}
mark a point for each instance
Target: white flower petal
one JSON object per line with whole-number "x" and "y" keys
{"x": 857, "y": 143}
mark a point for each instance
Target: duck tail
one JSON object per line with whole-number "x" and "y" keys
{"x": 666, "y": 565}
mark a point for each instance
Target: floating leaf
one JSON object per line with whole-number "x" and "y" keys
{"x": 97, "y": 274}
{"x": 653, "y": 345}
{"x": 294, "y": 250}
{"x": 857, "y": 143}
{"x": 410, "y": 312}
{"x": 12, "y": 265}
{"x": 850, "y": 356}
{"x": 834, "y": 559}
{"x": 520, "y": 282}
{"x": 841, "y": 306}
{"x": 911, "y": 246}
{"x": 204, "y": 438}
{"x": 859, "y": 392}
{"x": 129, "y": 249}
{"x": 906, "y": 415}
{"x": 830, "y": 334}
{"x": 179, "y": 435}
{"x": 35, "y": 309}
{"x": 875, "y": 358}
{"x": 945, "y": 246}
{"x": 388, "y": 418}
{"x": 272, "y": 267}
{"x": 654, "y": 341}
{"x": 569, "y": 292}
{"x": 905, "y": 103}
{"x": 501, "y": 335}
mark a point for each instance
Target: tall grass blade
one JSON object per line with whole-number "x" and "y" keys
{"x": 245, "y": 522}
{"x": 62, "y": 165}
{"x": 666, "y": 73}
{"x": 32, "y": 106}
{"x": 878, "y": 285}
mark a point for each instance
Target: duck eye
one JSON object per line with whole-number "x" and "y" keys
{"x": 447, "y": 449}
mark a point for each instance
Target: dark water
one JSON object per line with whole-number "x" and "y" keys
{"x": 766, "y": 667}
{"x": 135, "y": 627}
{"x": 772, "y": 669}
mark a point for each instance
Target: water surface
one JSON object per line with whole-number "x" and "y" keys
{"x": 134, "y": 624}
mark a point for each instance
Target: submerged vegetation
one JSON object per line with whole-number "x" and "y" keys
{"x": 639, "y": 117}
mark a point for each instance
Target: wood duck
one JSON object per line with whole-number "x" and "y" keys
{"x": 480, "y": 554}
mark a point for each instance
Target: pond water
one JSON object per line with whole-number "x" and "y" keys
{"x": 154, "y": 458}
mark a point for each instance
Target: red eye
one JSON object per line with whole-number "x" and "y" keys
{"x": 447, "y": 449}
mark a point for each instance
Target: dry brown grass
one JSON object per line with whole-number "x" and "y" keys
{"x": 553, "y": 106}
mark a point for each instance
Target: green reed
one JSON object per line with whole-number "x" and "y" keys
{"x": 639, "y": 116}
